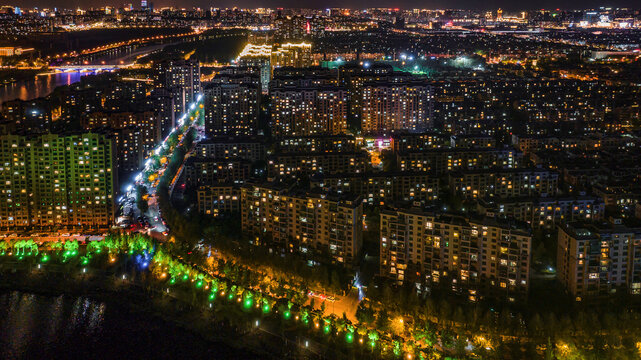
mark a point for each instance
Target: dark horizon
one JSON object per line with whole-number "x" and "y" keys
{"x": 353, "y": 4}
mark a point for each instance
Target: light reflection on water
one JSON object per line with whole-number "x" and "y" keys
{"x": 71, "y": 327}
{"x": 39, "y": 86}
{"x": 29, "y": 321}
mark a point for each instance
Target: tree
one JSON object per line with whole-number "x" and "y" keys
{"x": 382, "y": 321}
{"x": 364, "y": 314}
{"x": 535, "y": 325}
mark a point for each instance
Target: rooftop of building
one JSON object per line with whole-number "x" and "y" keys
{"x": 519, "y": 227}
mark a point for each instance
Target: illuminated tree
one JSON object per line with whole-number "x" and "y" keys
{"x": 4, "y": 246}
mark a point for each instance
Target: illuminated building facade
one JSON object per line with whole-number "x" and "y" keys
{"x": 182, "y": 78}
{"x": 267, "y": 57}
{"x": 309, "y": 223}
{"x": 475, "y": 258}
{"x": 232, "y": 109}
{"x": 148, "y": 122}
{"x": 258, "y": 56}
{"x": 317, "y": 143}
{"x": 443, "y": 160}
{"x": 598, "y": 260}
{"x": 53, "y": 181}
{"x": 219, "y": 200}
{"x": 505, "y": 183}
{"x": 383, "y": 188}
{"x": 304, "y": 111}
{"x": 247, "y": 148}
{"x": 33, "y": 116}
{"x": 386, "y": 107}
{"x": 319, "y": 162}
{"x": 212, "y": 171}
{"x": 544, "y": 212}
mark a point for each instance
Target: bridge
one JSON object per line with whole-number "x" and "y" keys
{"x": 87, "y": 67}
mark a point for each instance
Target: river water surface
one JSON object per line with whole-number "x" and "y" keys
{"x": 65, "y": 327}
{"x": 39, "y": 86}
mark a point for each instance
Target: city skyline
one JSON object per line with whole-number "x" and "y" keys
{"x": 320, "y": 183}
{"x": 567, "y": 5}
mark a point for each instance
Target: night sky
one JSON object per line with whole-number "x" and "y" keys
{"x": 406, "y": 4}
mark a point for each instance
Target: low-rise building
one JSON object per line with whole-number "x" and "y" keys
{"x": 402, "y": 142}
{"x": 313, "y": 144}
{"x": 471, "y": 141}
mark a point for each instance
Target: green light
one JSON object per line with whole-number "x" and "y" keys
{"x": 247, "y": 303}
{"x": 172, "y": 281}
{"x": 85, "y": 261}
{"x": 266, "y": 308}
{"x": 230, "y": 296}
{"x": 199, "y": 284}
{"x": 185, "y": 277}
{"x": 212, "y": 296}
{"x": 349, "y": 337}
{"x": 287, "y": 315}
{"x": 372, "y": 343}
{"x": 397, "y": 348}
{"x": 327, "y": 329}
{"x": 44, "y": 258}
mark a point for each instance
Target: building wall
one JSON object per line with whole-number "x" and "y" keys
{"x": 595, "y": 261}
{"x": 388, "y": 106}
{"x": 307, "y": 223}
{"x": 312, "y": 163}
{"x": 515, "y": 183}
{"x": 384, "y": 188}
{"x": 57, "y": 181}
{"x": 232, "y": 109}
{"x": 308, "y": 111}
{"x": 443, "y": 160}
{"x": 473, "y": 258}
{"x": 218, "y": 201}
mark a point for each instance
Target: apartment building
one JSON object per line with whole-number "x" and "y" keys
{"x": 475, "y": 258}
{"x": 318, "y": 224}
{"x": 595, "y": 260}
{"x": 504, "y": 183}
{"x": 57, "y": 181}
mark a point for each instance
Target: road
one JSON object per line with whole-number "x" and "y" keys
{"x": 151, "y": 221}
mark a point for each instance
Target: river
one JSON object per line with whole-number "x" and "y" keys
{"x": 44, "y": 85}
{"x": 39, "y": 86}
{"x": 63, "y": 327}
